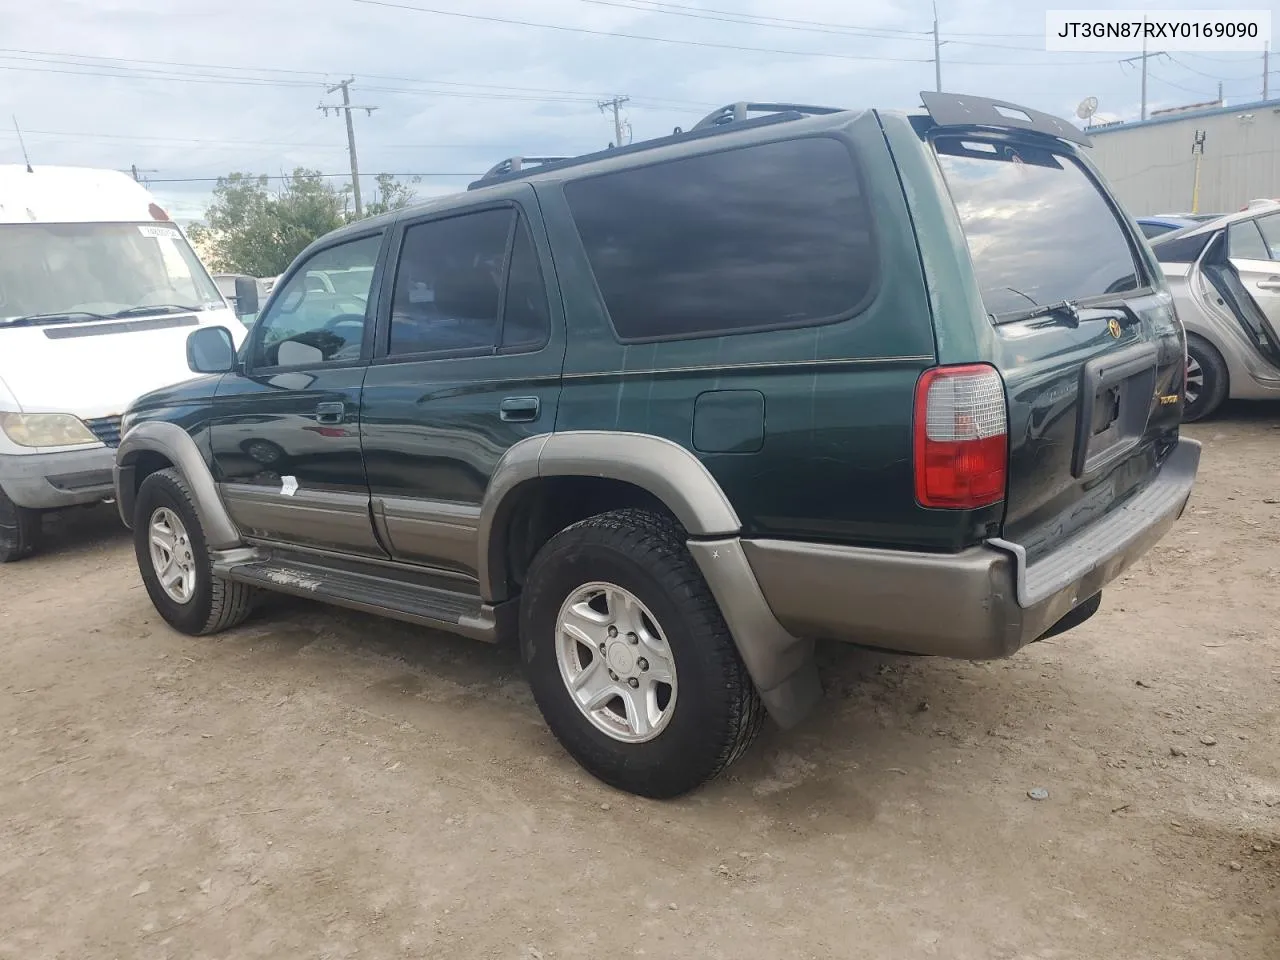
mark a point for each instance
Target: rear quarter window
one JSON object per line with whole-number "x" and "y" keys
{"x": 1181, "y": 247}
{"x": 763, "y": 237}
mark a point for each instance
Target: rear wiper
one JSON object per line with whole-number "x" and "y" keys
{"x": 41, "y": 319}
{"x": 155, "y": 308}
{"x": 1067, "y": 308}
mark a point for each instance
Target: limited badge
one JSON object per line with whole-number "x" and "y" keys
{"x": 1113, "y": 327}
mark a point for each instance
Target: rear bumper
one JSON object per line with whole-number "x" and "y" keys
{"x": 983, "y": 603}
{"x": 43, "y": 481}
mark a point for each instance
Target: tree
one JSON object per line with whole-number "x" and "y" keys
{"x": 251, "y": 229}
{"x": 391, "y": 194}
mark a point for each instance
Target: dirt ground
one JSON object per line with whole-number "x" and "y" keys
{"x": 325, "y": 784}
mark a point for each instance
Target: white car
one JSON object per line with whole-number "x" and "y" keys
{"x": 1225, "y": 280}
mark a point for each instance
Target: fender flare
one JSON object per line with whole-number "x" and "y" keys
{"x": 663, "y": 468}
{"x": 175, "y": 445}
{"x": 781, "y": 665}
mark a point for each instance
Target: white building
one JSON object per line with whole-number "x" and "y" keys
{"x": 1151, "y": 165}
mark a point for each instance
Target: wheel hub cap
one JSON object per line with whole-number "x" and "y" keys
{"x": 621, "y": 660}
{"x": 171, "y": 555}
{"x": 615, "y": 662}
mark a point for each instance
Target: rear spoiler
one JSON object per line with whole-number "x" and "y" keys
{"x": 958, "y": 110}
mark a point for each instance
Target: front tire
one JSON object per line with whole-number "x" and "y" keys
{"x": 629, "y": 658}
{"x": 1206, "y": 384}
{"x": 175, "y": 563}
{"x": 20, "y": 529}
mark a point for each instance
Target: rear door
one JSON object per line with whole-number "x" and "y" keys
{"x": 1254, "y": 250}
{"x": 1094, "y": 385}
{"x": 469, "y": 358}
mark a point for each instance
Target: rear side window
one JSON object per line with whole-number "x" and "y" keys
{"x": 1244, "y": 241}
{"x": 1184, "y": 246}
{"x": 453, "y": 279}
{"x": 1039, "y": 228}
{"x": 762, "y": 237}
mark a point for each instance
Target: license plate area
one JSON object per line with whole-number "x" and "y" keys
{"x": 1115, "y": 405}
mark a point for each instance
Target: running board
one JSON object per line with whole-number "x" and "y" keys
{"x": 398, "y": 599}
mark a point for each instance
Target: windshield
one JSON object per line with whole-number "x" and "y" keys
{"x": 98, "y": 268}
{"x": 1039, "y": 229}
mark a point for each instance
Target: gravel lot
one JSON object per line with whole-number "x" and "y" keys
{"x": 325, "y": 784}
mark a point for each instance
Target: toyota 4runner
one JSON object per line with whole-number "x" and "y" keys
{"x": 669, "y": 413}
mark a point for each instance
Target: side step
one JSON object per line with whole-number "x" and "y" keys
{"x": 398, "y": 599}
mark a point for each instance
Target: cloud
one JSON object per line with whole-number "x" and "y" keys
{"x": 455, "y": 95}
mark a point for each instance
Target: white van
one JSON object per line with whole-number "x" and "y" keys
{"x": 98, "y": 291}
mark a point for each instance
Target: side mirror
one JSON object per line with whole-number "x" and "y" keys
{"x": 211, "y": 350}
{"x": 246, "y": 296}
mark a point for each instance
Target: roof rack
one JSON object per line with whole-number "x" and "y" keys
{"x": 711, "y": 125}
{"x": 516, "y": 164}
{"x": 737, "y": 112}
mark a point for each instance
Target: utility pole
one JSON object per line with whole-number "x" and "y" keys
{"x": 138, "y": 174}
{"x": 345, "y": 108}
{"x": 1144, "y": 57}
{"x": 1266, "y": 67}
{"x": 937, "y": 52}
{"x": 616, "y": 106}
{"x": 1197, "y": 150}
{"x": 1220, "y": 100}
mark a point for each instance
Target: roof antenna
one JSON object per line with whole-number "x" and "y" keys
{"x": 21, "y": 143}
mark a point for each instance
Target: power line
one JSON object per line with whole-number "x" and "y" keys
{"x": 779, "y": 23}
{"x": 206, "y": 141}
{"x": 287, "y": 176}
{"x": 653, "y": 6}
{"x": 564, "y": 28}
{"x": 317, "y": 76}
{"x": 1211, "y": 76}
{"x": 1170, "y": 83}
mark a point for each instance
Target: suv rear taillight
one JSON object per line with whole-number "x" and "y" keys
{"x": 961, "y": 437}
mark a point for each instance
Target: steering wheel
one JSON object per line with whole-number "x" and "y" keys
{"x": 344, "y": 319}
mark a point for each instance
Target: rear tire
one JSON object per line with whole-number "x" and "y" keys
{"x": 652, "y": 738}
{"x": 1207, "y": 380}
{"x": 175, "y": 563}
{"x": 20, "y": 529}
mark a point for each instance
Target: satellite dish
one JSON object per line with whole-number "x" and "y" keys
{"x": 1088, "y": 107}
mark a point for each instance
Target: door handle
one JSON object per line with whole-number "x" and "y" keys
{"x": 1271, "y": 284}
{"x": 334, "y": 412}
{"x": 519, "y": 409}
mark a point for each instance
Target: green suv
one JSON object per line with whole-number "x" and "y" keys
{"x": 670, "y": 413}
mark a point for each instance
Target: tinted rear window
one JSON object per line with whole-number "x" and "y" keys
{"x": 776, "y": 235}
{"x": 1038, "y": 227}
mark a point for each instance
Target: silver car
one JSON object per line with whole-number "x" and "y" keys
{"x": 1225, "y": 278}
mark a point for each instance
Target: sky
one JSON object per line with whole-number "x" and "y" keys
{"x": 187, "y": 90}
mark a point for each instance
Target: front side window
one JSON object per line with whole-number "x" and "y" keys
{"x": 315, "y": 320}
{"x": 100, "y": 268}
{"x": 1039, "y": 228}
{"x": 453, "y": 280}
{"x": 771, "y": 236}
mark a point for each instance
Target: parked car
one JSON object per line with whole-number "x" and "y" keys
{"x": 1225, "y": 279}
{"x": 98, "y": 291}
{"x": 235, "y": 288}
{"x": 1163, "y": 223}
{"x": 668, "y": 412}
